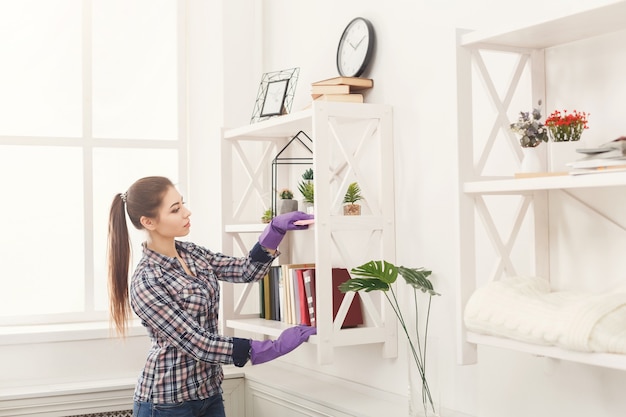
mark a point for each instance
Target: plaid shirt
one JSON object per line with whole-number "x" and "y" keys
{"x": 180, "y": 313}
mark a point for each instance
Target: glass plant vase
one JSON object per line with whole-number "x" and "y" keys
{"x": 419, "y": 404}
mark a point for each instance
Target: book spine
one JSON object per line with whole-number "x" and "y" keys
{"x": 309, "y": 288}
{"x": 302, "y": 299}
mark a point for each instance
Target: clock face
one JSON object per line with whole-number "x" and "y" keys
{"x": 355, "y": 48}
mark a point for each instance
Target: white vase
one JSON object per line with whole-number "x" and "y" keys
{"x": 560, "y": 153}
{"x": 531, "y": 161}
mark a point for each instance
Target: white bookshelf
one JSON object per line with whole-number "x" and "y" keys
{"x": 534, "y": 192}
{"x": 351, "y": 142}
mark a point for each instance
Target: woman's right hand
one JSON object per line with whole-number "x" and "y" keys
{"x": 289, "y": 339}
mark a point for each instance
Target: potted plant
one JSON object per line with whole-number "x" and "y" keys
{"x": 532, "y": 132}
{"x": 308, "y": 175}
{"x": 307, "y": 190}
{"x": 353, "y": 194}
{"x": 287, "y": 203}
{"x": 380, "y": 276}
{"x": 564, "y": 127}
{"x": 268, "y": 215}
{"x": 565, "y": 130}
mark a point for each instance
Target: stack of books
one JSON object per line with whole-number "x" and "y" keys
{"x": 609, "y": 157}
{"x": 345, "y": 89}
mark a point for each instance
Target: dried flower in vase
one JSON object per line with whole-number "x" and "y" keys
{"x": 532, "y": 132}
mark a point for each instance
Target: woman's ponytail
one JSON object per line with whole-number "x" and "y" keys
{"x": 143, "y": 198}
{"x": 119, "y": 265}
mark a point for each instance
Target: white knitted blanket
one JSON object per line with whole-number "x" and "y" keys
{"x": 525, "y": 309}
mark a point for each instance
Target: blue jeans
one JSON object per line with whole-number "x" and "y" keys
{"x": 211, "y": 407}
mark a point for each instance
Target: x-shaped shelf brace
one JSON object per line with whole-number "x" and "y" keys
{"x": 505, "y": 265}
{"x": 501, "y": 121}
{"x": 369, "y": 307}
{"x": 253, "y": 173}
{"x": 340, "y": 173}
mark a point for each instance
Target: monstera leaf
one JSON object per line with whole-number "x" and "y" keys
{"x": 418, "y": 278}
{"x": 379, "y": 275}
{"x": 374, "y": 275}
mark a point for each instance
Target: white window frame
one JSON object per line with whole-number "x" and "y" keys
{"x": 91, "y": 323}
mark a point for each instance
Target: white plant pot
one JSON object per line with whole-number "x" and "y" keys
{"x": 560, "y": 153}
{"x": 308, "y": 208}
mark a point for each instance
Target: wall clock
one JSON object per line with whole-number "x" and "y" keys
{"x": 355, "y": 48}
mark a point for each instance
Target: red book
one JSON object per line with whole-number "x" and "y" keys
{"x": 354, "y": 317}
{"x": 303, "y": 305}
{"x": 309, "y": 290}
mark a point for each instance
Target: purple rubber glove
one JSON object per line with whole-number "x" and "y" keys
{"x": 267, "y": 350}
{"x": 275, "y": 231}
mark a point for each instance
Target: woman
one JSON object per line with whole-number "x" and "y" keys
{"x": 175, "y": 292}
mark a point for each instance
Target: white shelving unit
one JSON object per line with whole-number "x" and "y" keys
{"x": 529, "y": 43}
{"x": 351, "y": 142}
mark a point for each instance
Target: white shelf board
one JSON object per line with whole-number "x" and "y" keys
{"x": 608, "y": 360}
{"x": 285, "y": 126}
{"x": 346, "y": 337}
{"x": 554, "y": 182}
{"x": 360, "y": 336}
{"x": 339, "y": 222}
{"x": 262, "y": 326}
{"x": 545, "y": 34}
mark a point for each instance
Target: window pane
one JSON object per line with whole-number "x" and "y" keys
{"x": 42, "y": 230}
{"x": 114, "y": 171}
{"x": 40, "y": 75}
{"x": 134, "y": 69}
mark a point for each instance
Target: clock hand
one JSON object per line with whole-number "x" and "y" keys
{"x": 359, "y": 42}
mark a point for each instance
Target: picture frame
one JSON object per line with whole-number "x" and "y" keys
{"x": 275, "y": 81}
{"x": 274, "y": 100}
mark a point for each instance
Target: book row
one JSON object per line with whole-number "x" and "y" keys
{"x": 288, "y": 294}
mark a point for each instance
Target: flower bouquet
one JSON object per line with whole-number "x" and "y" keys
{"x": 564, "y": 127}
{"x": 531, "y": 130}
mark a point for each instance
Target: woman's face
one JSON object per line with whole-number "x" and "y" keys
{"x": 173, "y": 219}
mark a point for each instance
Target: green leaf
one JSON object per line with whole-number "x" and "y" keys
{"x": 382, "y": 270}
{"x": 417, "y": 278}
{"x": 363, "y": 284}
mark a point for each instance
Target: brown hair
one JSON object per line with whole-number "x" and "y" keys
{"x": 143, "y": 198}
